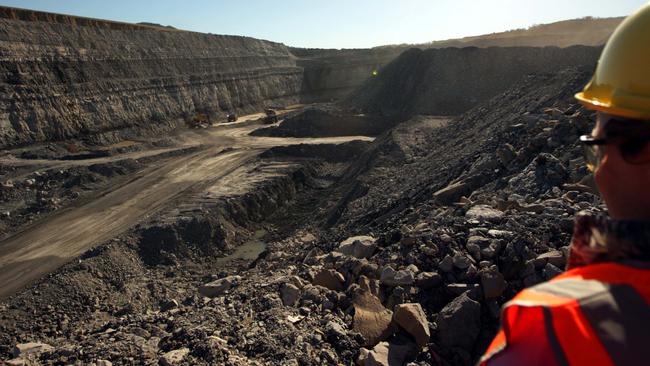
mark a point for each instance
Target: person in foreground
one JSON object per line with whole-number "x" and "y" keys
{"x": 598, "y": 312}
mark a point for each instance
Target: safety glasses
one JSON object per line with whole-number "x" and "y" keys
{"x": 593, "y": 151}
{"x": 629, "y": 136}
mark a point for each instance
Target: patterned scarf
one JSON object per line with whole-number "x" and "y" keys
{"x": 597, "y": 239}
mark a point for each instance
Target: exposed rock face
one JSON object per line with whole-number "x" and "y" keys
{"x": 61, "y": 80}
{"x": 451, "y": 81}
{"x": 66, "y": 77}
{"x": 452, "y": 257}
{"x": 332, "y": 74}
{"x": 315, "y": 122}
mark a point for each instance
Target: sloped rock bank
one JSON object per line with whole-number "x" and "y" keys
{"x": 467, "y": 214}
{"x": 333, "y": 74}
{"x": 328, "y": 152}
{"x": 451, "y": 81}
{"x": 61, "y": 80}
{"x": 327, "y": 122}
{"x": 485, "y": 145}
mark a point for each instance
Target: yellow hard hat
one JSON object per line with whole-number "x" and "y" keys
{"x": 621, "y": 84}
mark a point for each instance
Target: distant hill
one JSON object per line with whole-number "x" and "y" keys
{"x": 334, "y": 73}
{"x": 585, "y": 31}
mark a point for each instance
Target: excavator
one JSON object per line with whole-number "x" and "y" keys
{"x": 200, "y": 120}
{"x": 271, "y": 116}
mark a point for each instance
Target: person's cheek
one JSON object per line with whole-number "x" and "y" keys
{"x": 598, "y": 177}
{"x": 602, "y": 176}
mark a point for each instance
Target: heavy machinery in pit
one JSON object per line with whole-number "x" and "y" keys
{"x": 271, "y": 116}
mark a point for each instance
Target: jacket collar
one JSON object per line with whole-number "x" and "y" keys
{"x": 598, "y": 239}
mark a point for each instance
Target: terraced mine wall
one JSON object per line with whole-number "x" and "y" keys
{"x": 67, "y": 77}
{"x": 453, "y": 80}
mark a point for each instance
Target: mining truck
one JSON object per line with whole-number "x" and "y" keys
{"x": 271, "y": 116}
{"x": 200, "y": 120}
{"x": 231, "y": 117}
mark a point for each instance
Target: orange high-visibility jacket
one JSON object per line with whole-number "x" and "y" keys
{"x": 593, "y": 315}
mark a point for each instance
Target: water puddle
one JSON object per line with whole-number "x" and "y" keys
{"x": 248, "y": 251}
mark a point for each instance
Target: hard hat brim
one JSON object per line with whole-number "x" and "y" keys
{"x": 597, "y": 105}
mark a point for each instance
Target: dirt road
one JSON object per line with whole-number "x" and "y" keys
{"x": 51, "y": 242}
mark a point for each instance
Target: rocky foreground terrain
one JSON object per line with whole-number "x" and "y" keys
{"x": 387, "y": 229}
{"x": 402, "y": 254}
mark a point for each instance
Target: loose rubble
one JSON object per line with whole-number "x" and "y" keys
{"x": 407, "y": 259}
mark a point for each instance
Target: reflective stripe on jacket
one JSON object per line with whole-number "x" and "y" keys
{"x": 593, "y": 315}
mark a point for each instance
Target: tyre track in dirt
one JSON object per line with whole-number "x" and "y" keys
{"x": 50, "y": 243}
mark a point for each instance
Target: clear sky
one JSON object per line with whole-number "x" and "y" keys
{"x": 339, "y": 23}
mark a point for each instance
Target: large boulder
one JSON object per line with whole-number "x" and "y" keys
{"x": 452, "y": 193}
{"x": 175, "y": 357}
{"x": 428, "y": 280}
{"x": 391, "y": 277}
{"x": 290, "y": 294}
{"x": 389, "y": 354}
{"x": 371, "y": 319}
{"x": 483, "y": 213}
{"x": 218, "y": 287}
{"x": 492, "y": 282}
{"x": 412, "y": 318}
{"x": 358, "y": 246}
{"x": 25, "y": 350}
{"x": 554, "y": 257}
{"x": 459, "y": 323}
{"x": 330, "y": 279}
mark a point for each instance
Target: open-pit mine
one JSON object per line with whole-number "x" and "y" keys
{"x": 371, "y": 206}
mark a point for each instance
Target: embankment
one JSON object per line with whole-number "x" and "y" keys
{"x": 326, "y": 122}
{"x": 332, "y": 74}
{"x": 453, "y": 80}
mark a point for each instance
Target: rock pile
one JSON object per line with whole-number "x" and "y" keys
{"x": 23, "y": 198}
{"x": 485, "y": 212}
{"x": 423, "y": 240}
